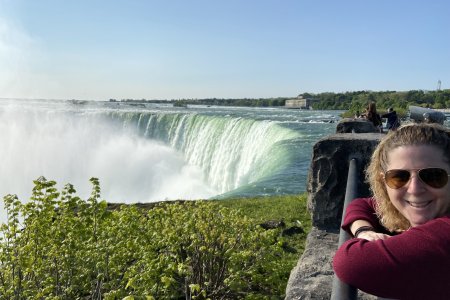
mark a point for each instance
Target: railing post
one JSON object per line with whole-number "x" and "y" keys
{"x": 341, "y": 290}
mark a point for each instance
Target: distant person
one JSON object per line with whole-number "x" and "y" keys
{"x": 393, "y": 121}
{"x": 371, "y": 115}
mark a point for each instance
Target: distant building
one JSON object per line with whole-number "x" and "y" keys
{"x": 299, "y": 103}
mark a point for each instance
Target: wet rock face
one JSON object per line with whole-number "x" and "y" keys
{"x": 312, "y": 277}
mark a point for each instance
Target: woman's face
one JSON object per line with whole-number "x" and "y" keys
{"x": 417, "y": 201}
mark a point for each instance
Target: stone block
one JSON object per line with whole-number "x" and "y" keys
{"x": 327, "y": 179}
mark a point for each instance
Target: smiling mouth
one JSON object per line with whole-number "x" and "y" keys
{"x": 419, "y": 205}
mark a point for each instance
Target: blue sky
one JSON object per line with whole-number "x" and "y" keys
{"x": 171, "y": 49}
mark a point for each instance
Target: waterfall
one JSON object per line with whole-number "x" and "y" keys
{"x": 139, "y": 156}
{"x": 231, "y": 151}
{"x": 71, "y": 147}
{"x": 156, "y": 152}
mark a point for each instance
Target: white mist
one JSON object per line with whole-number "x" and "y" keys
{"x": 70, "y": 147}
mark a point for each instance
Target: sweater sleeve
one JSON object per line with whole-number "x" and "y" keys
{"x": 361, "y": 209}
{"x": 411, "y": 265}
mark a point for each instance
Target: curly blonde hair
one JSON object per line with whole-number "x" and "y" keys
{"x": 407, "y": 135}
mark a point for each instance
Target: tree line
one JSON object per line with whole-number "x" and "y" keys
{"x": 400, "y": 101}
{"x": 255, "y": 102}
{"x": 350, "y": 101}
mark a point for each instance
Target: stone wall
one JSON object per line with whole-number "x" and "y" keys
{"x": 312, "y": 277}
{"x": 327, "y": 177}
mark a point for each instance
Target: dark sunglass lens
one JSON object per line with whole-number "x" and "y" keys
{"x": 396, "y": 178}
{"x": 434, "y": 177}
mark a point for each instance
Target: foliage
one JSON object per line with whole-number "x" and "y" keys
{"x": 351, "y": 101}
{"x": 257, "y": 102}
{"x": 58, "y": 246}
{"x": 291, "y": 209}
{"x": 400, "y": 101}
{"x": 180, "y": 103}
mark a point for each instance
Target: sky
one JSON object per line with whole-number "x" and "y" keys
{"x": 184, "y": 49}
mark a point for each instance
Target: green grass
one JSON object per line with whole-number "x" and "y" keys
{"x": 291, "y": 209}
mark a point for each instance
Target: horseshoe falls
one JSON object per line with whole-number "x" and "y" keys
{"x": 153, "y": 152}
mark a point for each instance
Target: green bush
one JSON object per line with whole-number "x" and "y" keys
{"x": 58, "y": 246}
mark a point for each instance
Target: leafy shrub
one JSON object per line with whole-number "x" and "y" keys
{"x": 58, "y": 246}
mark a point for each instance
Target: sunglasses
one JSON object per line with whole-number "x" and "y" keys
{"x": 435, "y": 177}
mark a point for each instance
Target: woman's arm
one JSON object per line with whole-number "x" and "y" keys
{"x": 411, "y": 265}
{"x": 361, "y": 221}
{"x": 361, "y": 212}
{"x": 364, "y": 230}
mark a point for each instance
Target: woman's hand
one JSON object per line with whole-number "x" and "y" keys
{"x": 368, "y": 233}
{"x": 372, "y": 236}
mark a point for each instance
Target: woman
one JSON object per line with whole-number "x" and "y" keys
{"x": 402, "y": 244}
{"x": 371, "y": 115}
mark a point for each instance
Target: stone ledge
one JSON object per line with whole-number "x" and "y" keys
{"x": 312, "y": 277}
{"x": 355, "y": 126}
{"x": 327, "y": 177}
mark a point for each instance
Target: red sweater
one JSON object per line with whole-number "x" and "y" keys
{"x": 412, "y": 265}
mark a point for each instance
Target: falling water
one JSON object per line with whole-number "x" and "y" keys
{"x": 149, "y": 153}
{"x": 69, "y": 146}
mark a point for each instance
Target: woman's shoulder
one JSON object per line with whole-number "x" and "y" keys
{"x": 364, "y": 201}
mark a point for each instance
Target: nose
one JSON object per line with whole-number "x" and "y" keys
{"x": 415, "y": 185}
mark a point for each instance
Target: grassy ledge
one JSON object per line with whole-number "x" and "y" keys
{"x": 290, "y": 209}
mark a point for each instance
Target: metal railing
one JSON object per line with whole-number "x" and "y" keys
{"x": 341, "y": 290}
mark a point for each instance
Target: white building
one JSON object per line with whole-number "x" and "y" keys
{"x": 299, "y": 102}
